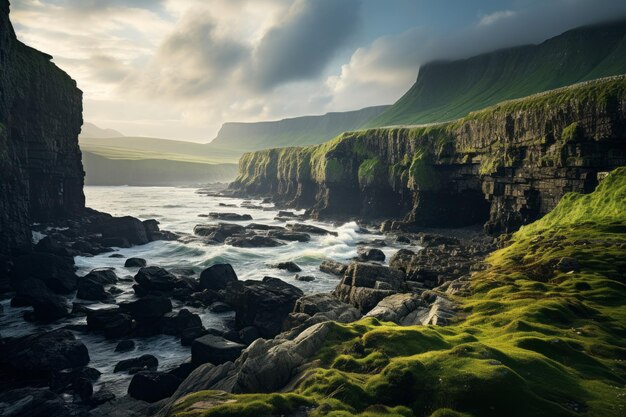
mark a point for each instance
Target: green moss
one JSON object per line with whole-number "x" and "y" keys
{"x": 371, "y": 172}
{"x": 571, "y": 132}
{"x": 533, "y": 341}
{"x": 422, "y": 175}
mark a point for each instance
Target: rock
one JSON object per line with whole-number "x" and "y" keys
{"x": 147, "y": 308}
{"x": 219, "y": 307}
{"x": 333, "y": 267}
{"x": 32, "y": 402}
{"x": 134, "y": 365}
{"x": 305, "y": 278}
{"x": 175, "y": 324}
{"x": 47, "y": 306}
{"x": 289, "y": 236}
{"x": 152, "y": 386}
{"x": 125, "y": 345}
{"x": 152, "y": 229}
{"x": 283, "y": 213}
{"x": 219, "y": 232}
{"x": 49, "y": 351}
{"x": 402, "y": 309}
{"x": 190, "y": 334}
{"x": 127, "y": 227}
{"x": 104, "y": 276}
{"x": 217, "y": 277}
{"x": 61, "y": 381}
{"x": 230, "y": 216}
{"x": 115, "y": 290}
{"x": 253, "y": 242}
{"x": 308, "y": 228}
{"x": 115, "y": 242}
{"x": 198, "y": 380}
{"x": 249, "y": 334}
{"x": 102, "y": 396}
{"x": 317, "y": 308}
{"x": 89, "y": 289}
{"x": 55, "y": 271}
{"x": 288, "y": 266}
{"x": 214, "y": 349}
{"x": 83, "y": 388}
{"x": 568, "y": 264}
{"x": 154, "y": 278}
{"x": 117, "y": 255}
{"x": 370, "y": 254}
{"x": 112, "y": 321}
{"x": 135, "y": 263}
{"x": 260, "y": 226}
{"x": 49, "y": 245}
{"x": 263, "y": 304}
{"x": 403, "y": 239}
{"x": 439, "y": 313}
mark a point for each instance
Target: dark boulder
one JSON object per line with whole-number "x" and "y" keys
{"x": 333, "y": 267}
{"x": 112, "y": 321}
{"x": 370, "y": 254}
{"x": 289, "y": 236}
{"x": 287, "y": 266}
{"x": 152, "y": 229}
{"x": 230, "y": 216}
{"x": 126, "y": 227}
{"x": 308, "y": 228}
{"x": 135, "y": 263}
{"x": 218, "y": 232}
{"x": 190, "y": 334}
{"x": 175, "y": 323}
{"x": 103, "y": 395}
{"x": 115, "y": 242}
{"x": 147, "y": 308}
{"x": 104, "y": 276}
{"x": 125, "y": 345}
{"x": 65, "y": 379}
{"x": 44, "y": 352}
{"x": 91, "y": 290}
{"x": 32, "y": 402}
{"x": 217, "y": 277}
{"x": 214, "y": 349}
{"x": 305, "y": 278}
{"x": 83, "y": 387}
{"x": 117, "y": 255}
{"x": 256, "y": 241}
{"x": 249, "y": 334}
{"x": 57, "y": 272}
{"x": 134, "y": 365}
{"x": 47, "y": 306}
{"x": 154, "y": 278}
{"x": 219, "y": 307}
{"x": 263, "y": 304}
{"x": 49, "y": 245}
{"x": 153, "y": 386}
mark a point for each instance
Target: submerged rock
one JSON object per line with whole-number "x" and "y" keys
{"x": 253, "y": 242}
{"x": 230, "y": 216}
{"x": 309, "y": 228}
{"x": 287, "y": 266}
{"x": 134, "y": 365}
{"x": 135, "y": 262}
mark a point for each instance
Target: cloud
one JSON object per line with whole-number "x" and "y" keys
{"x": 302, "y": 44}
{"x": 495, "y": 16}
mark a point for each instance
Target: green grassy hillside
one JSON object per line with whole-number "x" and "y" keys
{"x": 299, "y": 131}
{"x": 531, "y": 339}
{"x": 449, "y": 90}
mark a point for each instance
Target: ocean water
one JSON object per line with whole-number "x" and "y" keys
{"x": 178, "y": 209}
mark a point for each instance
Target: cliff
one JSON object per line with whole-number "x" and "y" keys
{"x": 504, "y": 166}
{"x": 298, "y": 131}
{"x": 447, "y": 90}
{"x": 40, "y": 118}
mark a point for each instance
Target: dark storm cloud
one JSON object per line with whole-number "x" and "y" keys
{"x": 300, "y": 46}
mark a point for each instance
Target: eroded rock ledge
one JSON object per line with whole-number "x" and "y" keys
{"x": 504, "y": 166}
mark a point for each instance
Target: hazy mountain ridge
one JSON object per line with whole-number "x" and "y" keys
{"x": 305, "y": 130}
{"x": 90, "y": 130}
{"x": 447, "y": 90}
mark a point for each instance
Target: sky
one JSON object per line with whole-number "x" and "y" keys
{"x": 178, "y": 69}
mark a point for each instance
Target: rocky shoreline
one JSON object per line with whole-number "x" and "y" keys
{"x": 52, "y": 366}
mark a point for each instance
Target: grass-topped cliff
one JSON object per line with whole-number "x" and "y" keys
{"x": 520, "y": 155}
{"x": 542, "y": 333}
{"x": 451, "y": 89}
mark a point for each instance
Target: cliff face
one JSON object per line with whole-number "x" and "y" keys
{"x": 504, "y": 166}
{"x": 446, "y": 90}
{"x": 40, "y": 118}
{"x": 306, "y": 130}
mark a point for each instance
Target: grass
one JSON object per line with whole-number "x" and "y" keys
{"x": 450, "y": 90}
{"x": 531, "y": 340}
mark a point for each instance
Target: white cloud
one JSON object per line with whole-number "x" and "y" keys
{"x": 496, "y": 16}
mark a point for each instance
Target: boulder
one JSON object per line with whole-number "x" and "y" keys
{"x": 260, "y": 226}
{"x": 32, "y": 402}
{"x": 134, "y": 365}
{"x": 214, "y": 349}
{"x": 56, "y": 272}
{"x": 127, "y": 227}
{"x": 152, "y": 229}
{"x": 308, "y": 228}
{"x": 70, "y": 378}
{"x": 174, "y": 324}
{"x": 83, "y": 387}
{"x": 370, "y": 254}
{"x": 230, "y": 216}
{"x": 114, "y": 322}
{"x": 263, "y": 304}
{"x": 125, "y": 345}
{"x": 47, "y": 306}
{"x": 403, "y": 309}
{"x": 50, "y": 245}
{"x": 317, "y": 308}
{"x": 219, "y": 307}
{"x": 287, "y": 266}
{"x": 42, "y": 352}
{"x": 154, "y": 278}
{"x": 147, "y": 308}
{"x": 116, "y": 255}
{"x": 304, "y": 278}
{"x": 333, "y": 267}
{"x": 152, "y": 386}
{"x": 289, "y": 236}
{"x": 135, "y": 263}
{"x": 89, "y": 289}
{"x": 217, "y": 277}
{"x": 104, "y": 276}
{"x": 256, "y": 241}
{"x": 103, "y": 395}
{"x": 190, "y": 334}
{"x": 219, "y": 232}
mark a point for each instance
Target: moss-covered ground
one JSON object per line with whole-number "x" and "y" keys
{"x": 543, "y": 333}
